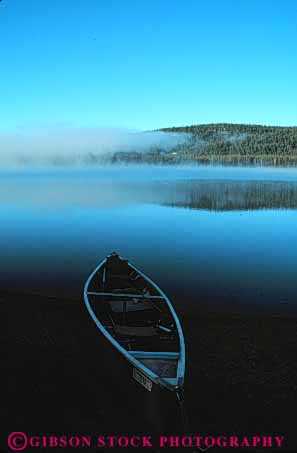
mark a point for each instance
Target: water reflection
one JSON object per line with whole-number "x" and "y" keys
{"x": 97, "y": 190}
{"x": 232, "y": 195}
{"x": 220, "y": 237}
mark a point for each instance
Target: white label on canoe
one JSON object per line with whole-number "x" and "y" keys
{"x": 143, "y": 380}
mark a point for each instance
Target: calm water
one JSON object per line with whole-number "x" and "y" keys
{"x": 220, "y": 237}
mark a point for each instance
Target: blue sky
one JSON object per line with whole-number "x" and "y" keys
{"x": 146, "y": 64}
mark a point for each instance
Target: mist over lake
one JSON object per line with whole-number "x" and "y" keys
{"x": 217, "y": 237}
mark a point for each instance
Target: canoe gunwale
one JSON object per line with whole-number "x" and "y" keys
{"x": 179, "y": 380}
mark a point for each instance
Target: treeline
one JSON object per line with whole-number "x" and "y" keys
{"x": 241, "y": 142}
{"x": 225, "y": 143}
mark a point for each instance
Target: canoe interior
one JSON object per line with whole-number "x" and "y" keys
{"x": 136, "y": 315}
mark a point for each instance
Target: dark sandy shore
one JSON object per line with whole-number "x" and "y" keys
{"x": 241, "y": 374}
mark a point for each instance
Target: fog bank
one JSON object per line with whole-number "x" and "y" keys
{"x": 72, "y": 146}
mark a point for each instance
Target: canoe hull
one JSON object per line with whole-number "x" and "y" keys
{"x": 148, "y": 409}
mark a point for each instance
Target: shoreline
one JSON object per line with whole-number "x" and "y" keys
{"x": 234, "y": 161}
{"x": 211, "y": 160}
{"x": 241, "y": 372}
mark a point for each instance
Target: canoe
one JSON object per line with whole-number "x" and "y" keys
{"x": 138, "y": 321}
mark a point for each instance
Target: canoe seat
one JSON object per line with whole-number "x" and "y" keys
{"x": 162, "y": 367}
{"x": 135, "y": 331}
{"x": 120, "y": 306}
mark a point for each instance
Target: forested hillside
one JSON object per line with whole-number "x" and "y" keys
{"x": 226, "y": 143}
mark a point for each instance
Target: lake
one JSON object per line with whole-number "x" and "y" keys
{"x": 215, "y": 237}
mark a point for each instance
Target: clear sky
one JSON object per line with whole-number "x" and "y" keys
{"x": 147, "y": 63}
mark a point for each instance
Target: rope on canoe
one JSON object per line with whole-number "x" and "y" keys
{"x": 184, "y": 414}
